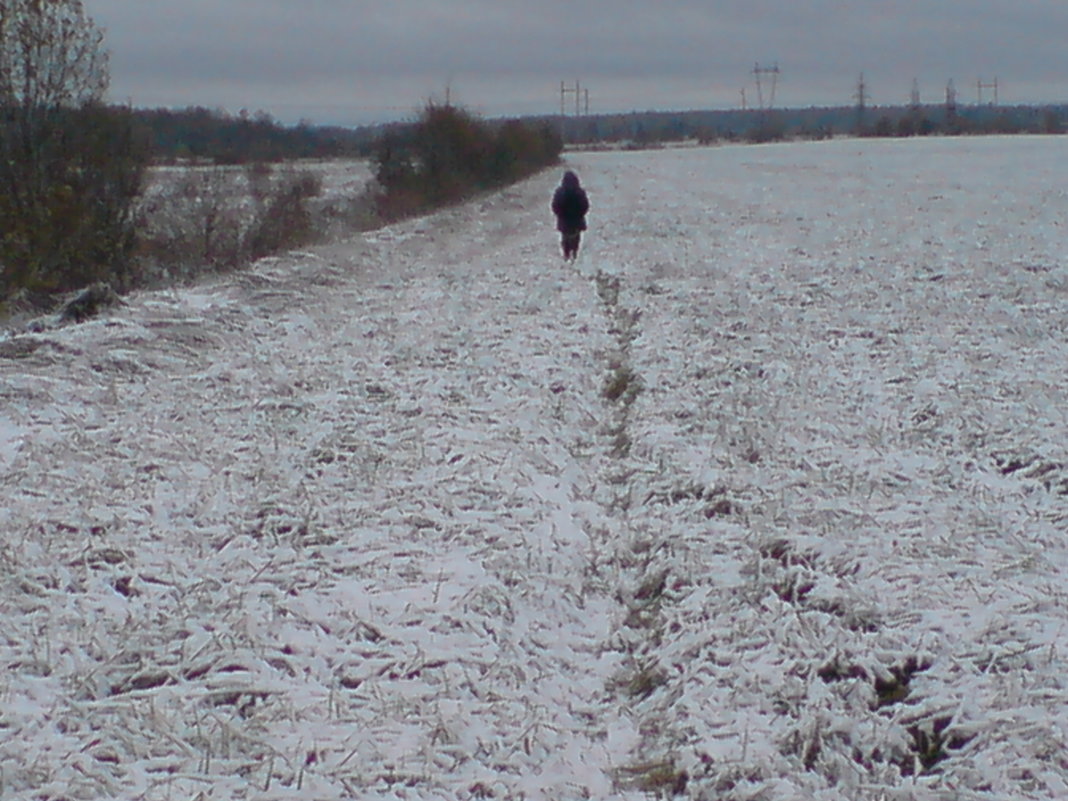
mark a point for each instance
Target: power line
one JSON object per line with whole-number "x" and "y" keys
{"x": 980, "y": 86}
{"x": 862, "y": 97}
{"x": 761, "y": 73}
{"x": 580, "y": 94}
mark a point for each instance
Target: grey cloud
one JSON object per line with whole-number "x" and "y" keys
{"x": 331, "y": 54}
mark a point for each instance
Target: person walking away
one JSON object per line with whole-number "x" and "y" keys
{"x": 570, "y": 206}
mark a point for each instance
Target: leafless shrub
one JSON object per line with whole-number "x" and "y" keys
{"x": 192, "y": 224}
{"x": 283, "y": 220}
{"x": 211, "y": 219}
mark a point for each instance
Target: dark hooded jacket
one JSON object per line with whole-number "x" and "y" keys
{"x": 570, "y": 205}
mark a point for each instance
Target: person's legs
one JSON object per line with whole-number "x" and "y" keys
{"x": 570, "y": 243}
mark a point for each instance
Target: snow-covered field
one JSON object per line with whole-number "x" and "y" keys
{"x": 765, "y": 498}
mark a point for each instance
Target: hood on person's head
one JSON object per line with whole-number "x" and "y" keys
{"x": 571, "y": 181}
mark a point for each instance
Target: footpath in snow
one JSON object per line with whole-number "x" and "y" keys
{"x": 765, "y": 498}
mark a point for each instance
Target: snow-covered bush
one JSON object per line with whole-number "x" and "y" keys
{"x": 207, "y": 219}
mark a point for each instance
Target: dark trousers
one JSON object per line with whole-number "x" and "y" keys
{"x": 569, "y": 241}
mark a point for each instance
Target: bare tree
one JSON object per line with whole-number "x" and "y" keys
{"x": 70, "y": 168}
{"x": 51, "y": 55}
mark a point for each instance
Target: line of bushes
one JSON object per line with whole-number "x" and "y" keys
{"x": 80, "y": 208}
{"x": 449, "y": 155}
{"x": 79, "y": 205}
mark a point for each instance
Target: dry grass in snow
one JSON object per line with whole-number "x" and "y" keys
{"x": 766, "y": 498}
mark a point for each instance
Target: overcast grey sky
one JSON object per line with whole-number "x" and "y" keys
{"x": 353, "y": 61}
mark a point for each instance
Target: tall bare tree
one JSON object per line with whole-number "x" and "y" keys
{"x": 70, "y": 168}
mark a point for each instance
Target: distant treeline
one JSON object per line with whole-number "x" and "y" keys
{"x": 650, "y": 127}
{"x": 209, "y": 135}
{"x": 215, "y": 136}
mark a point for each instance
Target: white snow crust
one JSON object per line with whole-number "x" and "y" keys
{"x": 764, "y": 498}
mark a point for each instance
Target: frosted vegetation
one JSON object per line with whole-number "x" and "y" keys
{"x": 198, "y": 220}
{"x": 765, "y": 498}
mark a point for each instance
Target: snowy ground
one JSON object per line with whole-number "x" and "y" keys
{"x": 765, "y": 498}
